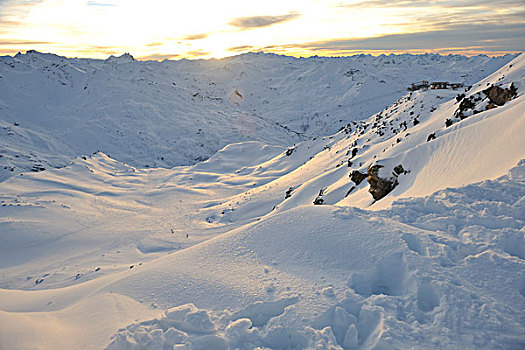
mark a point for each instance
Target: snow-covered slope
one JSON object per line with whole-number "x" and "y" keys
{"x": 53, "y": 109}
{"x": 232, "y": 253}
{"x": 412, "y": 133}
{"x": 445, "y": 271}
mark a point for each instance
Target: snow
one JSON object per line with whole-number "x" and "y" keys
{"x": 231, "y": 252}
{"x": 397, "y": 280}
{"x": 169, "y": 113}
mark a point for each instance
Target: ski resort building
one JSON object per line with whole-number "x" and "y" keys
{"x": 435, "y": 85}
{"x": 420, "y": 85}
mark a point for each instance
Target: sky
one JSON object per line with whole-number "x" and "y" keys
{"x": 175, "y": 29}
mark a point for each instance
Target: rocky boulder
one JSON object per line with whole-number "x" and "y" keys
{"x": 357, "y": 177}
{"x": 319, "y": 199}
{"x": 499, "y": 96}
{"x": 381, "y": 186}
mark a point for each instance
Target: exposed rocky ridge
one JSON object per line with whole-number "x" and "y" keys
{"x": 489, "y": 98}
{"x": 411, "y": 129}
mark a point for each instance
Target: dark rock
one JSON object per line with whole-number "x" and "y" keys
{"x": 288, "y": 193}
{"x": 357, "y": 177}
{"x": 465, "y": 104}
{"x": 431, "y": 137}
{"x": 379, "y": 187}
{"x": 37, "y": 168}
{"x": 289, "y": 151}
{"x": 398, "y": 170}
{"x": 349, "y": 191}
{"x": 319, "y": 199}
{"x": 499, "y": 96}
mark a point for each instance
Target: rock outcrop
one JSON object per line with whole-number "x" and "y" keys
{"x": 499, "y": 96}
{"x": 319, "y": 199}
{"x": 484, "y": 100}
{"x": 380, "y": 186}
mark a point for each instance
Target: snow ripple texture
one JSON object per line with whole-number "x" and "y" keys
{"x": 467, "y": 292}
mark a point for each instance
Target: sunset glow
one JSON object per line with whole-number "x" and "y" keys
{"x": 172, "y": 29}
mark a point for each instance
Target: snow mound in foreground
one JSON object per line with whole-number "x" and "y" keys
{"x": 444, "y": 271}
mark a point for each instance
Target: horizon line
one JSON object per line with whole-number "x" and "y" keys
{"x": 372, "y": 53}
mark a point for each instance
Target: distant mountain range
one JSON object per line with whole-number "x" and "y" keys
{"x": 149, "y": 114}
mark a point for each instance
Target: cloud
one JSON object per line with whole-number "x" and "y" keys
{"x": 23, "y": 42}
{"x": 491, "y": 26}
{"x": 195, "y": 37}
{"x": 158, "y": 57}
{"x": 262, "y": 21}
{"x": 12, "y": 12}
{"x": 100, "y": 4}
{"x": 437, "y": 3}
{"x": 15, "y": 9}
{"x": 240, "y": 48}
{"x": 197, "y": 53}
{"x": 482, "y": 37}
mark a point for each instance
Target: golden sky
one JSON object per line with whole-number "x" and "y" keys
{"x": 156, "y": 29}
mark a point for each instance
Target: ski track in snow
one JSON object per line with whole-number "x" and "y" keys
{"x": 231, "y": 253}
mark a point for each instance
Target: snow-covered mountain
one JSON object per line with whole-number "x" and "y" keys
{"x": 149, "y": 114}
{"x": 233, "y": 253}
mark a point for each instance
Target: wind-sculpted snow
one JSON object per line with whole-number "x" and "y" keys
{"x": 278, "y": 247}
{"x": 445, "y": 271}
{"x": 148, "y": 114}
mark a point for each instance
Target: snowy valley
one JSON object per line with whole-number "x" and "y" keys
{"x": 164, "y": 114}
{"x": 262, "y": 202}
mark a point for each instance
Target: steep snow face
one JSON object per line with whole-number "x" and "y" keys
{"x": 147, "y": 114}
{"x": 413, "y": 133}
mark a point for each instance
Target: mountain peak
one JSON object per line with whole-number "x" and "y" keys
{"x": 124, "y": 58}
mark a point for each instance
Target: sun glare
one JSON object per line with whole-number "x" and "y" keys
{"x": 163, "y": 29}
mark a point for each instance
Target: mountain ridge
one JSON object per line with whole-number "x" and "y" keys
{"x": 150, "y": 113}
